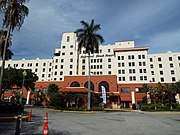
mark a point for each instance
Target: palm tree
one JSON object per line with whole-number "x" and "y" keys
{"x": 9, "y": 53}
{"x": 14, "y": 14}
{"x": 88, "y": 38}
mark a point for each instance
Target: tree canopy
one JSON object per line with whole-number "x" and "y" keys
{"x": 13, "y": 77}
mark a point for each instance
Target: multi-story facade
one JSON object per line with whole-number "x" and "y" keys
{"x": 131, "y": 66}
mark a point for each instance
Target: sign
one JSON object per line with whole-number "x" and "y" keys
{"x": 103, "y": 94}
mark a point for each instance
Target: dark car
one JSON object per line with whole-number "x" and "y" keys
{"x": 10, "y": 107}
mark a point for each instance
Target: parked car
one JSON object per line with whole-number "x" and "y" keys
{"x": 10, "y": 107}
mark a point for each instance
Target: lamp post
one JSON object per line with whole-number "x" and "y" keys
{"x": 21, "y": 92}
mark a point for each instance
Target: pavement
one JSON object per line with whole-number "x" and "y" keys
{"x": 10, "y": 116}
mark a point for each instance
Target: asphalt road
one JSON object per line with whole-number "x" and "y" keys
{"x": 101, "y": 123}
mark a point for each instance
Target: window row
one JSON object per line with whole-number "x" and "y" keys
{"x": 131, "y": 57}
{"x": 160, "y": 59}
{"x": 28, "y": 65}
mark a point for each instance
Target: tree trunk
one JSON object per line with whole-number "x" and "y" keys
{"x": 89, "y": 85}
{"x": 3, "y": 59}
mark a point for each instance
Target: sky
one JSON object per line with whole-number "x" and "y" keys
{"x": 153, "y": 23}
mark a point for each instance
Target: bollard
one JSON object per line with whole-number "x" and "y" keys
{"x": 18, "y": 125}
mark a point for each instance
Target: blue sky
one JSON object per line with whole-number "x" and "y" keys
{"x": 153, "y": 23}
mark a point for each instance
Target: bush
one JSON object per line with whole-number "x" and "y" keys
{"x": 147, "y": 107}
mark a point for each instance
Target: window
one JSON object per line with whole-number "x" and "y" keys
{"x": 109, "y": 72}
{"x": 122, "y": 57}
{"x": 161, "y": 72}
{"x": 122, "y": 64}
{"x": 71, "y": 46}
{"x": 71, "y": 60}
{"x": 100, "y": 66}
{"x": 152, "y": 72}
{"x": 61, "y": 66}
{"x": 133, "y": 63}
{"x": 21, "y": 65}
{"x": 139, "y": 56}
{"x": 42, "y": 75}
{"x": 130, "y": 71}
{"x": 160, "y": 65}
{"x": 60, "y": 79}
{"x": 132, "y": 56}
{"x": 125, "y": 90}
{"x": 71, "y": 66}
{"x": 141, "y": 78}
{"x": 100, "y": 51}
{"x": 100, "y": 60}
{"x": 55, "y": 73}
{"x": 109, "y": 50}
{"x": 43, "y": 69}
{"x": 83, "y": 61}
{"x": 153, "y": 79}
{"x": 49, "y": 75}
{"x": 61, "y": 73}
{"x": 56, "y": 60}
{"x": 36, "y": 70}
{"x": 144, "y": 63}
{"x": 178, "y": 57}
{"x": 143, "y": 56}
{"x": 83, "y": 73}
{"x": 173, "y": 79}
{"x": 151, "y": 65}
{"x": 171, "y": 64}
{"x": 119, "y": 57}
{"x": 109, "y": 66}
{"x": 172, "y": 72}
{"x": 56, "y": 66}
{"x": 159, "y": 59}
{"x": 145, "y": 78}
{"x": 63, "y": 53}
{"x": 119, "y": 64}
{"x": 97, "y": 60}
{"x": 123, "y": 71}
{"x": 83, "y": 67}
{"x": 129, "y": 57}
{"x": 70, "y": 72}
{"x": 139, "y": 90}
{"x": 140, "y": 70}
{"x": 62, "y": 60}
{"x": 49, "y": 69}
{"x": 36, "y": 64}
{"x": 94, "y": 60}
{"x": 170, "y": 58}
{"x": 140, "y": 64}
{"x": 144, "y": 70}
{"x": 109, "y": 60}
{"x": 162, "y": 79}
{"x": 68, "y": 38}
{"x": 63, "y": 47}
{"x": 151, "y": 60}
{"x": 44, "y": 64}
{"x": 71, "y": 53}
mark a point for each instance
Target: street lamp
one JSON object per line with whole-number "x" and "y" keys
{"x": 21, "y": 92}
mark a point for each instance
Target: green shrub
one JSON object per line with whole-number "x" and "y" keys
{"x": 147, "y": 107}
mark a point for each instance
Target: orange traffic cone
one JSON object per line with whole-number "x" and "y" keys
{"x": 45, "y": 128}
{"x": 30, "y": 115}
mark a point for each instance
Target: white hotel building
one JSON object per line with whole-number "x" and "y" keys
{"x": 130, "y": 64}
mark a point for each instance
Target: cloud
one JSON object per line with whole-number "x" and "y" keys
{"x": 146, "y": 22}
{"x": 163, "y": 42}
